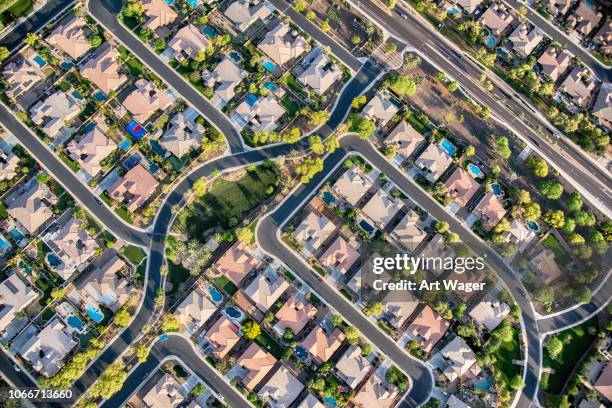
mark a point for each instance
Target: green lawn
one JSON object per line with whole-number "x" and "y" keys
{"x": 228, "y": 202}
{"x": 20, "y": 8}
{"x": 124, "y": 214}
{"x": 134, "y": 66}
{"x": 561, "y": 256}
{"x": 416, "y": 124}
{"x": 3, "y": 211}
{"x": 576, "y": 342}
{"x": 177, "y": 275}
{"x": 74, "y": 166}
{"x": 266, "y": 342}
{"x": 291, "y": 105}
{"x": 508, "y": 351}
{"x": 226, "y": 285}
{"x": 133, "y": 253}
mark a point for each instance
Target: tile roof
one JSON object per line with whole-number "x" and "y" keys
{"x": 159, "y": 14}
{"x": 461, "y": 186}
{"x": 314, "y": 230}
{"x": 257, "y": 364}
{"x": 428, "y": 328}
{"x": 490, "y": 210}
{"x": 53, "y": 112}
{"x": 352, "y": 366}
{"x": 281, "y": 389}
{"x": 322, "y": 345}
{"x": 340, "y": 256}
{"x": 236, "y": 263}
{"x": 134, "y": 188}
{"x": 352, "y": 186}
{"x": 103, "y": 69}
{"x": 381, "y": 209}
{"x": 90, "y": 148}
{"x": 31, "y": 207}
{"x": 405, "y": 139}
{"x": 223, "y": 336}
{"x": 282, "y": 45}
{"x": 71, "y": 37}
{"x": 145, "y": 100}
{"x": 554, "y": 62}
{"x": 294, "y": 315}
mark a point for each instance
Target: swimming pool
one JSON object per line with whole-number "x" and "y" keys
{"x": 490, "y": 41}
{"x": 209, "y": 31}
{"x": 484, "y": 385}
{"x": 366, "y": 227}
{"x": 301, "y": 353}
{"x": 215, "y": 295}
{"x": 99, "y": 96}
{"x": 131, "y": 162}
{"x": 270, "y": 86}
{"x": 269, "y": 65}
{"x": 157, "y": 149}
{"x": 497, "y": 190}
{"x": 251, "y": 99}
{"x": 234, "y": 313}
{"x": 328, "y": 197}
{"x": 448, "y": 147}
{"x": 94, "y": 313}
{"x": 330, "y": 401}
{"x": 77, "y": 95}
{"x": 4, "y": 244}
{"x": 53, "y": 261}
{"x": 125, "y": 144}
{"x": 75, "y": 322}
{"x": 66, "y": 65}
{"x": 16, "y": 234}
{"x": 25, "y": 267}
{"x": 454, "y": 10}
{"x": 39, "y": 61}
{"x": 532, "y": 225}
{"x": 193, "y": 3}
{"x": 475, "y": 171}
{"x": 235, "y": 56}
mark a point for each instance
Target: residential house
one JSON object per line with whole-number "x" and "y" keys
{"x": 281, "y": 389}
{"x": 340, "y": 256}
{"x": 222, "y": 336}
{"x": 461, "y": 187}
{"x": 282, "y": 44}
{"x": 319, "y": 72}
{"x": 525, "y": 41}
{"x": 91, "y": 148}
{"x": 578, "y": 86}
{"x": 397, "y": 312}
{"x": 103, "y": 69}
{"x": 71, "y": 244}
{"x": 15, "y": 295}
{"x": 194, "y": 311}
{"x": 545, "y": 266}
{"x": 70, "y": 37}
{"x": 380, "y": 109}
{"x": 20, "y": 75}
{"x": 381, "y": 209}
{"x": 490, "y": 314}
{"x": 603, "y": 38}
{"x": 490, "y": 210}
{"x": 53, "y": 113}
{"x": 46, "y": 350}
{"x": 266, "y": 288}
{"x": 437, "y": 248}
{"x": 294, "y": 314}
{"x": 159, "y": 14}
{"x": 469, "y": 5}
{"x": 102, "y": 285}
{"x": 428, "y": 328}
{"x": 352, "y": 367}
{"x": 376, "y": 392}
{"x": 9, "y": 163}
{"x": 32, "y": 207}
{"x": 497, "y": 19}
{"x": 558, "y": 8}
{"x": 584, "y": 19}
{"x": 187, "y": 42}
{"x": 166, "y": 393}
{"x": 145, "y": 100}
{"x": 243, "y": 13}
{"x": 183, "y": 133}
{"x": 554, "y": 62}
{"x": 519, "y": 234}
{"x": 134, "y": 188}
{"x": 603, "y": 384}
{"x": 256, "y": 364}
{"x": 236, "y": 263}
{"x": 408, "y": 233}
{"x": 351, "y": 186}
{"x": 322, "y": 345}
{"x": 602, "y": 108}
{"x": 405, "y": 139}
{"x": 262, "y": 113}
{"x": 313, "y": 231}
{"x": 226, "y": 76}
{"x": 460, "y": 359}
{"x": 434, "y": 161}
{"x": 311, "y": 402}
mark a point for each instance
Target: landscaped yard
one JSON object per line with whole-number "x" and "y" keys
{"x": 228, "y": 202}
{"x": 266, "y": 342}
{"x": 508, "y": 351}
{"x": 133, "y": 253}
{"x": 226, "y": 285}
{"x": 576, "y": 342}
{"x": 561, "y": 256}
{"x": 177, "y": 275}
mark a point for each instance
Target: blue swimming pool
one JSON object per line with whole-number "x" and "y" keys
{"x": 448, "y": 147}
{"x": 169, "y": 2}
{"x": 251, "y": 99}
{"x": 270, "y": 86}
{"x": 125, "y": 144}
{"x": 209, "y": 31}
{"x": 366, "y": 227}
{"x": 131, "y": 161}
{"x": 75, "y": 322}
{"x": 215, "y": 295}
{"x": 25, "y": 267}
{"x": 94, "y": 313}
{"x": 454, "y": 10}
{"x": 475, "y": 171}
{"x": 490, "y": 41}
{"x": 330, "y": 401}
{"x": 269, "y": 65}
{"x": 16, "y": 234}
{"x": 328, "y": 197}
{"x": 77, "y": 95}
{"x": 484, "y": 385}
{"x": 497, "y": 190}
{"x": 89, "y": 127}
{"x": 53, "y": 261}
{"x": 39, "y": 61}
{"x": 66, "y": 65}
{"x": 99, "y": 96}
{"x": 502, "y": 54}
{"x": 193, "y": 3}
{"x": 301, "y": 353}
{"x": 532, "y": 225}
{"x": 4, "y": 244}
{"x": 234, "y": 313}
{"x": 235, "y": 56}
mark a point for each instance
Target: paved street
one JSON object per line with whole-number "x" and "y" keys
{"x": 602, "y": 72}
{"x": 592, "y": 181}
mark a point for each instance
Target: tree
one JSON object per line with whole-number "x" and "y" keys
{"x": 196, "y": 256}
{"x": 441, "y": 75}
{"x": 359, "y": 102}
{"x": 110, "y": 382}
{"x": 390, "y": 47}
{"x": 502, "y": 147}
{"x": 584, "y": 218}
{"x": 470, "y": 151}
{"x": 366, "y": 349}
{"x": 300, "y": 5}
{"x": 331, "y": 144}
{"x": 401, "y": 85}
{"x": 316, "y": 118}
{"x": 411, "y": 61}
{"x": 516, "y": 382}
{"x": 200, "y": 187}
{"x": 365, "y": 128}
{"x": 95, "y": 41}
{"x": 316, "y": 144}
{"x": 598, "y": 242}
{"x": 170, "y": 323}
{"x": 459, "y": 311}
{"x": 582, "y": 294}
{"x": 31, "y": 39}
{"x": 310, "y": 15}
{"x": 352, "y": 334}
{"x": 250, "y": 330}
{"x": 551, "y": 189}
{"x": 142, "y": 352}
{"x": 452, "y": 86}
{"x": 325, "y": 27}
{"x": 42, "y": 178}
{"x": 538, "y": 166}
{"x": 451, "y": 237}
{"x": 574, "y": 203}
{"x": 531, "y": 211}
{"x": 373, "y": 308}
{"x": 245, "y": 235}
{"x": 440, "y": 226}
{"x": 292, "y": 136}
{"x": 554, "y": 347}
{"x": 390, "y": 4}
{"x": 554, "y": 218}
{"x": 522, "y": 196}
{"x": 466, "y": 330}
{"x": 122, "y": 318}
{"x": 198, "y": 390}
{"x": 57, "y": 294}
{"x": 308, "y": 168}
{"x": 355, "y": 39}
{"x": 288, "y": 334}
{"x": 336, "y": 320}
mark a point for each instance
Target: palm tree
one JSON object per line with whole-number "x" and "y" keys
{"x": 31, "y": 39}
